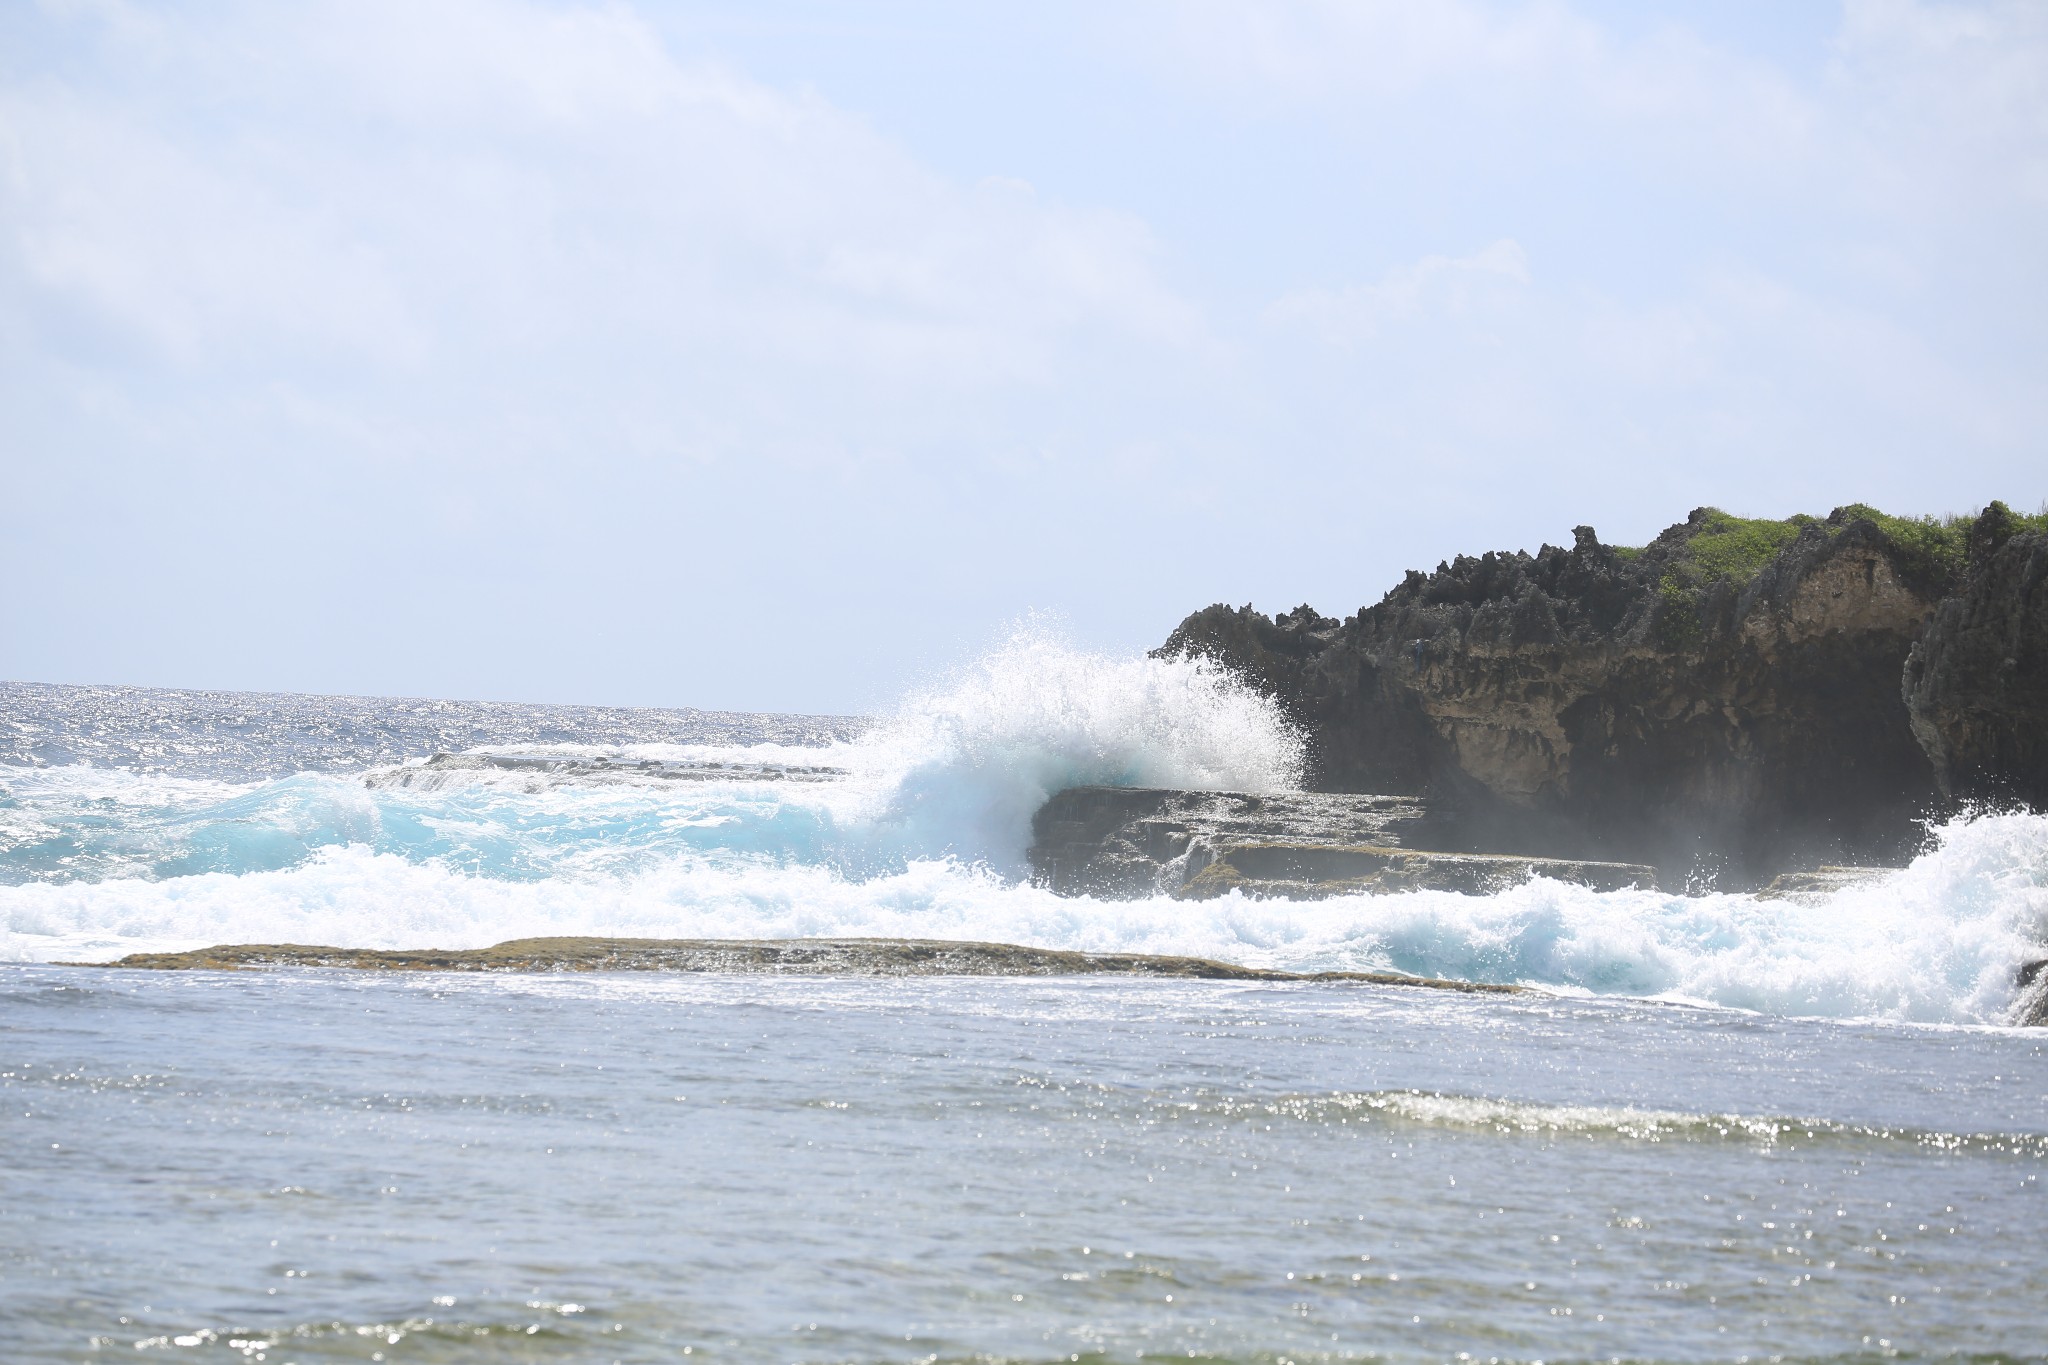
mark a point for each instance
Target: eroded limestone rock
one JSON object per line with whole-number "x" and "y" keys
{"x": 1726, "y": 699}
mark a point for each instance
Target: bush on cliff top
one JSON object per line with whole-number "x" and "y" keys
{"x": 1713, "y": 547}
{"x": 1737, "y": 548}
{"x": 1720, "y": 546}
{"x": 1689, "y": 580}
{"x": 1937, "y": 549}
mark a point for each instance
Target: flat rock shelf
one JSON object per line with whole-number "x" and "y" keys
{"x": 786, "y": 957}
{"x": 1131, "y": 842}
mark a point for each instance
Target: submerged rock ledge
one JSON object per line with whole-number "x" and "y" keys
{"x": 540, "y": 772}
{"x": 854, "y": 957}
{"x": 778, "y": 957}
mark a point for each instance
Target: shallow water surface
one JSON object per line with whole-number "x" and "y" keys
{"x": 317, "y": 1166}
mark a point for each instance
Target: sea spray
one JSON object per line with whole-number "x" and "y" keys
{"x": 960, "y": 768}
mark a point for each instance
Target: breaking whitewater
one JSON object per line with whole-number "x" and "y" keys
{"x": 142, "y": 820}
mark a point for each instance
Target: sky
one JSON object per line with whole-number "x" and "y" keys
{"x": 780, "y": 356}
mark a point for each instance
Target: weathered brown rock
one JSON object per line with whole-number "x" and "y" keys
{"x": 1591, "y": 703}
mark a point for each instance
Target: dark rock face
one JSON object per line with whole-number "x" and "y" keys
{"x": 1977, "y": 681}
{"x": 1316, "y": 872}
{"x": 2031, "y": 1009}
{"x": 1124, "y": 842}
{"x": 1654, "y": 706}
{"x": 1821, "y": 882}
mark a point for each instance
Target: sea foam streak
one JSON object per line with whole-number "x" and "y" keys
{"x": 925, "y": 837}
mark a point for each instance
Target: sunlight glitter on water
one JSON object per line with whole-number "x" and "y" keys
{"x": 1030, "y": 1170}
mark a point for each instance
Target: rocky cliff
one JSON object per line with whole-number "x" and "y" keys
{"x": 1728, "y": 698}
{"x": 1977, "y": 680}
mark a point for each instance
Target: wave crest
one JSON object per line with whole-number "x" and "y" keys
{"x": 963, "y": 767}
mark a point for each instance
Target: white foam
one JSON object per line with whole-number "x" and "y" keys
{"x": 960, "y": 768}
{"x": 1938, "y": 942}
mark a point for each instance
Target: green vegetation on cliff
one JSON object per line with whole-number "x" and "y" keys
{"x": 1737, "y": 548}
{"x": 1713, "y": 547}
{"x": 1936, "y": 549}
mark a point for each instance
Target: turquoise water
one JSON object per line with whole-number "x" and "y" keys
{"x": 300, "y": 1166}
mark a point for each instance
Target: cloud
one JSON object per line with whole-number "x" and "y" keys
{"x": 1812, "y": 273}
{"x": 419, "y": 332}
{"x": 1456, "y": 286}
{"x": 418, "y": 186}
{"x": 1912, "y": 94}
{"x": 120, "y": 228}
{"x": 1942, "y": 110}
{"x": 1360, "y": 58}
{"x": 1328, "y": 49}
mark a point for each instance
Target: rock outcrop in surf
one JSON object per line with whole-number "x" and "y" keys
{"x": 1128, "y": 842}
{"x": 1734, "y": 697}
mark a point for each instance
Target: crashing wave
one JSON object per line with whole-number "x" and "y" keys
{"x": 918, "y": 827}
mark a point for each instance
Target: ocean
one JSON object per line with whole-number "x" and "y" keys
{"x": 1719, "y": 1128}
